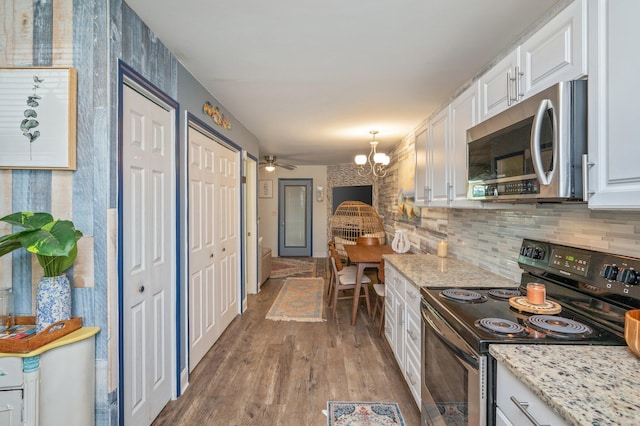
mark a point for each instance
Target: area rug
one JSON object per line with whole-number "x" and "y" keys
{"x": 283, "y": 267}
{"x": 300, "y": 299}
{"x": 363, "y": 413}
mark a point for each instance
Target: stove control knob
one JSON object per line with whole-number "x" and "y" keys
{"x": 609, "y": 272}
{"x": 628, "y": 276}
{"x": 537, "y": 253}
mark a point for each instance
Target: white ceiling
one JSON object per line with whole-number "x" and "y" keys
{"x": 311, "y": 78}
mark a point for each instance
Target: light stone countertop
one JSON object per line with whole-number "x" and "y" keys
{"x": 585, "y": 385}
{"x": 428, "y": 270}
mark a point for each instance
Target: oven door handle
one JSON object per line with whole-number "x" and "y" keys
{"x": 465, "y": 353}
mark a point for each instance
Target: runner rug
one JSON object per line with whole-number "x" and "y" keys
{"x": 363, "y": 413}
{"x": 300, "y": 299}
{"x": 292, "y": 267}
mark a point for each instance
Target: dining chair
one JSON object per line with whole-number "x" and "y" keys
{"x": 367, "y": 241}
{"x": 346, "y": 269}
{"x": 346, "y": 281}
{"x": 379, "y": 289}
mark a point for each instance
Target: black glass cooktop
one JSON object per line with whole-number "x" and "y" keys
{"x": 463, "y": 317}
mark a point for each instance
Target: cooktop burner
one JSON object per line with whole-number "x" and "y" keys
{"x": 559, "y": 326}
{"x": 461, "y": 295}
{"x": 501, "y": 327}
{"x": 503, "y": 293}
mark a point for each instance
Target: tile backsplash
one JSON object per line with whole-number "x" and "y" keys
{"x": 492, "y": 238}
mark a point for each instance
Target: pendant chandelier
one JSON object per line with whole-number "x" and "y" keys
{"x": 375, "y": 163}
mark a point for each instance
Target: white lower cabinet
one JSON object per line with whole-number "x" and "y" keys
{"x": 51, "y": 388}
{"x": 402, "y": 326}
{"x": 516, "y": 404}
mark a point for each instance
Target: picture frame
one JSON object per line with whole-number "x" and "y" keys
{"x": 265, "y": 189}
{"x": 38, "y": 120}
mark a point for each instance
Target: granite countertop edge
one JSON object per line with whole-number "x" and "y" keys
{"x": 428, "y": 270}
{"x": 585, "y": 385}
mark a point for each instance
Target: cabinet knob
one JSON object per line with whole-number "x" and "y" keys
{"x": 141, "y": 289}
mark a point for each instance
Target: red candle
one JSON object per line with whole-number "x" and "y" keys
{"x": 536, "y": 293}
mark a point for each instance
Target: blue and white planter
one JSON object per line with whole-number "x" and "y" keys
{"x": 53, "y": 301}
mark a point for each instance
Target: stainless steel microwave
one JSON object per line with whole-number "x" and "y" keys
{"x": 533, "y": 151}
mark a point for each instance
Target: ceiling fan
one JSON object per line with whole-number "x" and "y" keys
{"x": 270, "y": 164}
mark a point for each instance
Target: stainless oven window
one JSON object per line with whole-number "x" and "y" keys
{"x": 451, "y": 385}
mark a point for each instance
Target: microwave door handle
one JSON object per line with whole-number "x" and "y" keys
{"x": 545, "y": 177}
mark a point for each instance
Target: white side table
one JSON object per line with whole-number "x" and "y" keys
{"x": 52, "y": 385}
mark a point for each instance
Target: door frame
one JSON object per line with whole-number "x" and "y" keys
{"x": 127, "y": 76}
{"x": 308, "y": 183}
{"x": 251, "y": 258}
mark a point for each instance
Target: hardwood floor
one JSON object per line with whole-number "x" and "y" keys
{"x": 263, "y": 372}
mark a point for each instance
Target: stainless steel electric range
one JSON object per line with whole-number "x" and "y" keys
{"x": 587, "y": 295}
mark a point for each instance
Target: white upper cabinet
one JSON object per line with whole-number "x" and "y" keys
{"x": 463, "y": 115}
{"x": 439, "y": 163}
{"x": 556, "y": 52}
{"x": 614, "y": 67}
{"x": 422, "y": 190}
{"x": 497, "y": 86}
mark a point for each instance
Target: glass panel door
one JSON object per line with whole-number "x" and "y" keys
{"x": 294, "y": 216}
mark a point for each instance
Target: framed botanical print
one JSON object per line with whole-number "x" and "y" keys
{"x": 38, "y": 118}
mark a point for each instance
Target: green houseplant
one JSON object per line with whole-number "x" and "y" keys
{"x": 54, "y": 242}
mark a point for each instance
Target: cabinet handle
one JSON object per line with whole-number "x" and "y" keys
{"x": 2, "y": 373}
{"x": 412, "y": 296}
{"x": 7, "y": 408}
{"x": 586, "y": 165}
{"x": 449, "y": 192}
{"x": 522, "y": 406}
{"x": 509, "y": 88}
{"x": 519, "y": 76}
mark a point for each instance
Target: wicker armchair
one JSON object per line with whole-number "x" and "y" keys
{"x": 354, "y": 219}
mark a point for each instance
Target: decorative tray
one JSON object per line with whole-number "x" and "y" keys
{"x": 24, "y": 340}
{"x": 521, "y": 304}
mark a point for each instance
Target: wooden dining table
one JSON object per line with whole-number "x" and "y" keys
{"x": 364, "y": 257}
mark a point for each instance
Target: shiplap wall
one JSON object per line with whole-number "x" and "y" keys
{"x": 91, "y": 36}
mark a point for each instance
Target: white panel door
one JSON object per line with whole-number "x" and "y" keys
{"x": 148, "y": 255}
{"x": 228, "y": 284}
{"x": 214, "y": 283}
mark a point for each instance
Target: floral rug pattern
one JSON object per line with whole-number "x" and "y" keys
{"x": 363, "y": 414}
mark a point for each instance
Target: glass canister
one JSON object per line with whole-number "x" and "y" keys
{"x": 7, "y": 316}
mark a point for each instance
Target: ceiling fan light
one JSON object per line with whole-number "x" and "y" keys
{"x": 269, "y": 167}
{"x": 361, "y": 160}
